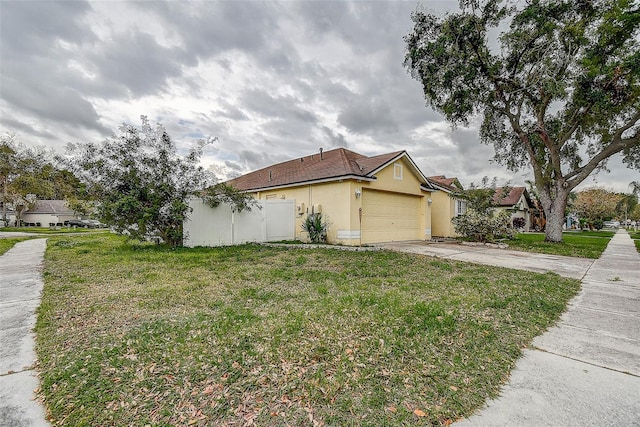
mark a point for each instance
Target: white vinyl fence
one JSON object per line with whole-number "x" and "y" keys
{"x": 221, "y": 226}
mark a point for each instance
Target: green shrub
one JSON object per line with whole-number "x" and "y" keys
{"x": 519, "y": 223}
{"x": 484, "y": 227}
{"x": 316, "y": 227}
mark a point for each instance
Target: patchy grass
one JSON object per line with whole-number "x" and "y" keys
{"x": 9, "y": 242}
{"x": 636, "y": 238}
{"x": 141, "y": 334}
{"x": 582, "y": 244}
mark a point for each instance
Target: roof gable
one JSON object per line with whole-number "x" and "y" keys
{"x": 441, "y": 182}
{"x": 339, "y": 163}
{"x": 50, "y": 207}
{"x": 501, "y": 198}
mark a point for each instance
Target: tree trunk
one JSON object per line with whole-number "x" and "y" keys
{"x": 553, "y": 231}
{"x": 554, "y": 203}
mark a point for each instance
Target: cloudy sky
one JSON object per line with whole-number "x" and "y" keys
{"x": 272, "y": 81}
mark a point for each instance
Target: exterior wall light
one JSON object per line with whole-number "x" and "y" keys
{"x": 358, "y": 193}
{"x": 429, "y": 201}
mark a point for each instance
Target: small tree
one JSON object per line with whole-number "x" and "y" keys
{"x": 480, "y": 223}
{"x": 140, "y": 183}
{"x": 596, "y": 205}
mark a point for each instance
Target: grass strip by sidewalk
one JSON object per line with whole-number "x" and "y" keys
{"x": 141, "y": 334}
{"x": 635, "y": 235}
{"x": 9, "y": 242}
{"x": 582, "y": 244}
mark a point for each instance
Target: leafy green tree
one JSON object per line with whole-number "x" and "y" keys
{"x": 628, "y": 201}
{"x": 140, "y": 183}
{"x": 222, "y": 192}
{"x": 480, "y": 222}
{"x": 483, "y": 199}
{"x": 28, "y": 174}
{"x": 559, "y": 91}
{"x": 8, "y": 170}
{"x": 596, "y": 205}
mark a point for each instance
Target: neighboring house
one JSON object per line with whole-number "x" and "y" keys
{"x": 364, "y": 199}
{"x": 445, "y": 205}
{"x": 46, "y": 212}
{"x": 516, "y": 201}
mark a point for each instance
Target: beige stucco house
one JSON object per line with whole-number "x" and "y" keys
{"x": 365, "y": 199}
{"x": 445, "y": 205}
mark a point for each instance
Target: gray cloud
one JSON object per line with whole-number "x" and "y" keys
{"x": 368, "y": 115}
{"x": 272, "y": 80}
{"x": 138, "y": 63}
{"x": 281, "y": 107}
{"x": 336, "y": 139}
{"x": 34, "y": 27}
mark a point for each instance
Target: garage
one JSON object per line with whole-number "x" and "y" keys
{"x": 390, "y": 217}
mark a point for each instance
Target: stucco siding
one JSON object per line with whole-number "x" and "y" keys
{"x": 443, "y": 210}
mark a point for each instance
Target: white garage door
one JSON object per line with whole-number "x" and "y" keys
{"x": 388, "y": 217}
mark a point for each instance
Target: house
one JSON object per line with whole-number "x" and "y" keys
{"x": 46, "y": 212}
{"x": 365, "y": 199}
{"x": 445, "y": 205}
{"x": 515, "y": 200}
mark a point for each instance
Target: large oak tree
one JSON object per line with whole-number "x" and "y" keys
{"x": 558, "y": 90}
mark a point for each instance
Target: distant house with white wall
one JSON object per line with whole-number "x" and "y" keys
{"x": 47, "y": 212}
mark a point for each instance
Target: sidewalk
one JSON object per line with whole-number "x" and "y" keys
{"x": 586, "y": 370}
{"x": 20, "y": 292}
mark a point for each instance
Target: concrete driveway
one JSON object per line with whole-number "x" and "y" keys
{"x": 575, "y": 268}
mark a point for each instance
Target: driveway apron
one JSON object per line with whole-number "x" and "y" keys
{"x": 20, "y": 292}
{"x": 539, "y": 263}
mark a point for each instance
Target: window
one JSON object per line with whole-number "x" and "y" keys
{"x": 461, "y": 207}
{"x": 397, "y": 171}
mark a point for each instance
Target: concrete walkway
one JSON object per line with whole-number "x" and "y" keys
{"x": 20, "y": 292}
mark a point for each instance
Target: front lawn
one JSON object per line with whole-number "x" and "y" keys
{"x": 142, "y": 334}
{"x": 583, "y": 244}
